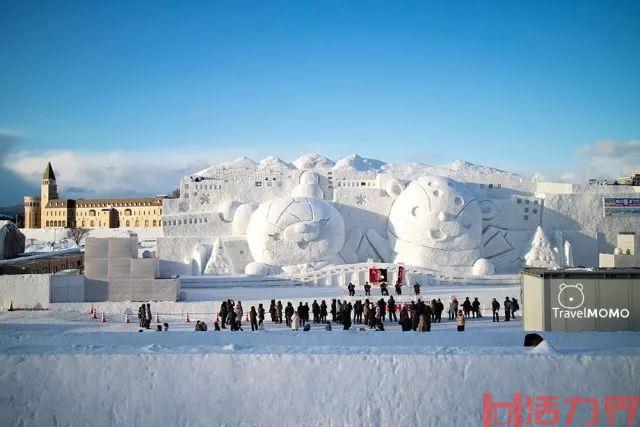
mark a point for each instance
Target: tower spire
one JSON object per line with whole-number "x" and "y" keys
{"x": 48, "y": 172}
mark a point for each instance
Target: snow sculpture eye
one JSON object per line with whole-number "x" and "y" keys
{"x": 415, "y": 210}
{"x": 436, "y": 193}
{"x": 458, "y": 201}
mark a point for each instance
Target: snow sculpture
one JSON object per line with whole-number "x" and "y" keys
{"x": 241, "y": 218}
{"x": 11, "y": 240}
{"x": 220, "y": 261}
{"x": 295, "y": 235}
{"x": 436, "y": 223}
{"x": 309, "y": 186}
{"x": 483, "y": 267}
{"x": 199, "y": 259}
{"x": 541, "y": 253}
{"x": 227, "y": 209}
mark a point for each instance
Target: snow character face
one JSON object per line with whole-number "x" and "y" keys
{"x": 295, "y": 230}
{"x": 436, "y": 212}
{"x": 571, "y": 296}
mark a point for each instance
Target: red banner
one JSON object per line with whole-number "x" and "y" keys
{"x": 400, "y": 274}
{"x": 377, "y": 275}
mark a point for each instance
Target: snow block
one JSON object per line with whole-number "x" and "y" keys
{"x": 96, "y": 268}
{"x": 123, "y": 247}
{"x": 119, "y": 268}
{"x": 96, "y": 248}
{"x": 165, "y": 289}
{"x": 96, "y": 290}
{"x": 119, "y": 290}
{"x": 142, "y": 290}
{"x": 144, "y": 268}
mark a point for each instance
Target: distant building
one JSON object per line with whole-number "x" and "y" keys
{"x": 49, "y": 211}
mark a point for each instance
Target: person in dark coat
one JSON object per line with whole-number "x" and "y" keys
{"x": 416, "y": 288}
{"x": 383, "y": 289}
{"x": 466, "y": 307}
{"x": 288, "y": 313}
{"x": 495, "y": 307}
{"x": 352, "y": 289}
{"x": 475, "y": 307}
{"x": 398, "y": 288}
{"x": 333, "y": 310}
{"x": 391, "y": 306}
{"x": 415, "y": 314}
{"x": 216, "y": 326}
{"x": 253, "y": 318}
{"x": 357, "y": 311}
{"x": 148, "y": 316}
{"x": 367, "y": 289}
{"x": 272, "y": 311}
{"x": 405, "y": 321}
{"x": 232, "y": 321}
{"x": 323, "y": 312}
{"x": 315, "y": 310}
{"x": 260, "y": 315}
{"x": 439, "y": 310}
{"x": 141, "y": 315}
{"x": 507, "y": 309}
{"x": 223, "y": 314}
{"x": 514, "y": 307}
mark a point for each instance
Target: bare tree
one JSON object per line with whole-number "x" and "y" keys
{"x": 78, "y": 234}
{"x": 175, "y": 194}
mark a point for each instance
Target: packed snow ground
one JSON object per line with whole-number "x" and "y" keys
{"x": 61, "y": 367}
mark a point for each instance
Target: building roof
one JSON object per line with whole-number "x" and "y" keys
{"x": 48, "y": 172}
{"x": 60, "y": 203}
{"x": 139, "y": 201}
{"x": 583, "y": 273}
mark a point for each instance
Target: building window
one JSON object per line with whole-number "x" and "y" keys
{"x": 146, "y": 223}
{"x": 154, "y": 223}
{"x": 535, "y": 211}
{"x": 526, "y": 217}
{"x": 137, "y": 223}
{"x": 519, "y": 201}
{"x": 526, "y": 210}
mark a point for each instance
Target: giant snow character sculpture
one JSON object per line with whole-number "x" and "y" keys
{"x": 435, "y": 223}
{"x": 294, "y": 235}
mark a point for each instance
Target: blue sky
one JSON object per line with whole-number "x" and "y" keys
{"x": 539, "y": 86}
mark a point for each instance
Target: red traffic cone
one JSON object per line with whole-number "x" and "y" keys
{"x": 91, "y": 309}
{"x": 11, "y": 306}
{"x": 188, "y": 320}
{"x": 104, "y": 319}
{"x": 157, "y": 318}
{"x": 94, "y": 316}
{"x": 126, "y": 318}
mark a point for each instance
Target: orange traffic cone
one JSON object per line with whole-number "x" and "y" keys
{"x": 94, "y": 316}
{"x": 126, "y": 318}
{"x": 104, "y": 319}
{"x": 157, "y": 318}
{"x": 188, "y": 320}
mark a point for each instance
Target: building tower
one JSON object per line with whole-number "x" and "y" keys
{"x": 48, "y": 191}
{"x": 31, "y": 212}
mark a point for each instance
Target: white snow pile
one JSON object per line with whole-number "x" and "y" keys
{"x": 360, "y": 164}
{"x": 313, "y": 161}
{"x": 459, "y": 170}
{"x": 541, "y": 253}
{"x": 544, "y": 348}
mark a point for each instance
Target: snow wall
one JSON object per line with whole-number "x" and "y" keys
{"x": 293, "y": 389}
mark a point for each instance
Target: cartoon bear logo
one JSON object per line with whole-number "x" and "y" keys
{"x": 572, "y": 294}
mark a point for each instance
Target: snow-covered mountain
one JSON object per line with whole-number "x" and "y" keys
{"x": 459, "y": 170}
{"x": 313, "y": 161}
{"x": 360, "y": 164}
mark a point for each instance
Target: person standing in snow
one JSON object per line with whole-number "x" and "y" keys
{"x": 439, "y": 310}
{"x": 141, "y": 315}
{"x": 391, "y": 306}
{"x": 149, "y": 316}
{"x": 398, "y": 288}
{"x": 466, "y": 307}
{"x": 333, "y": 310}
{"x": 352, "y": 289}
{"x": 323, "y": 312}
{"x": 460, "y": 321}
{"x": 253, "y": 318}
{"x": 453, "y": 308}
{"x": 475, "y": 307}
{"x": 367, "y": 289}
{"x": 273, "y": 312}
{"x": 495, "y": 307}
{"x": 384, "y": 291}
{"x": 223, "y": 314}
{"x": 416, "y": 288}
{"x": 405, "y": 321}
{"x": 279, "y": 312}
{"x": 295, "y": 321}
{"x": 239, "y": 314}
{"x": 288, "y": 314}
{"x": 507, "y": 309}
{"x": 260, "y": 315}
{"x": 514, "y": 307}
{"x": 315, "y": 309}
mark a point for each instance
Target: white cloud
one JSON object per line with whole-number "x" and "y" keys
{"x": 113, "y": 173}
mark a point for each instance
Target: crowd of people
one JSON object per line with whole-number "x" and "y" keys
{"x": 417, "y": 315}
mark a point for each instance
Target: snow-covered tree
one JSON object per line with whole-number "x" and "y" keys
{"x": 541, "y": 253}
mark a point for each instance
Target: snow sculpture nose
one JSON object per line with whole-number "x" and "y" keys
{"x": 302, "y": 231}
